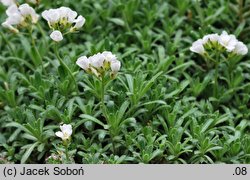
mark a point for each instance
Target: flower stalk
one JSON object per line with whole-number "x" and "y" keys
{"x": 65, "y": 135}
{"x": 104, "y": 109}
{"x": 105, "y": 67}
{"x": 33, "y": 43}
{"x": 66, "y": 67}
{"x": 103, "y": 95}
{"x": 66, "y": 146}
{"x": 216, "y": 85}
{"x": 214, "y": 45}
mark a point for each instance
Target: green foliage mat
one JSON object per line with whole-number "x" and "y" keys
{"x": 161, "y": 107}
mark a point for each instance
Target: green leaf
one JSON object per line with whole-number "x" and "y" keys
{"x": 117, "y": 21}
{"x": 122, "y": 110}
{"x": 28, "y": 152}
{"x": 149, "y": 84}
{"x": 2, "y": 139}
{"x": 87, "y": 117}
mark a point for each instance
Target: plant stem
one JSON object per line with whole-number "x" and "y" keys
{"x": 66, "y": 67}
{"x": 104, "y": 110}
{"x": 230, "y": 74}
{"x": 103, "y": 107}
{"x": 34, "y": 46}
{"x": 216, "y": 80}
{"x": 216, "y": 84}
{"x": 36, "y": 50}
{"x": 41, "y": 30}
{"x": 113, "y": 144}
{"x": 102, "y": 97}
{"x": 231, "y": 66}
{"x": 44, "y": 35}
{"x": 67, "y": 152}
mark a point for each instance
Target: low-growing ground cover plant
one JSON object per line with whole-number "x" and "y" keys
{"x": 136, "y": 81}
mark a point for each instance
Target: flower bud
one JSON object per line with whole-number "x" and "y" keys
{"x": 56, "y": 36}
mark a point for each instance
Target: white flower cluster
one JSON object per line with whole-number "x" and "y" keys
{"x": 224, "y": 41}
{"x": 20, "y": 16}
{"x": 8, "y": 2}
{"x": 61, "y": 20}
{"x": 99, "y": 63}
{"x": 65, "y": 133}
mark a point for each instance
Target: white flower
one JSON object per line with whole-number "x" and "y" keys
{"x": 13, "y": 9}
{"x": 197, "y": 47}
{"x": 6, "y": 24}
{"x": 240, "y": 48}
{"x": 26, "y": 10}
{"x": 9, "y": 26}
{"x": 65, "y": 133}
{"x": 45, "y": 15}
{"x": 79, "y": 22}
{"x": 7, "y": 2}
{"x": 15, "y": 19}
{"x": 63, "y": 19}
{"x": 83, "y": 62}
{"x": 115, "y": 66}
{"x": 63, "y": 15}
{"x": 99, "y": 63}
{"x": 210, "y": 37}
{"x": 228, "y": 41}
{"x": 56, "y": 36}
{"x": 109, "y": 56}
{"x": 63, "y": 11}
{"x": 67, "y": 14}
{"x": 19, "y": 16}
{"x": 52, "y": 16}
{"x": 97, "y": 60}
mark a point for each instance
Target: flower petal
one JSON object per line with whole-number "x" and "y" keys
{"x": 59, "y": 134}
